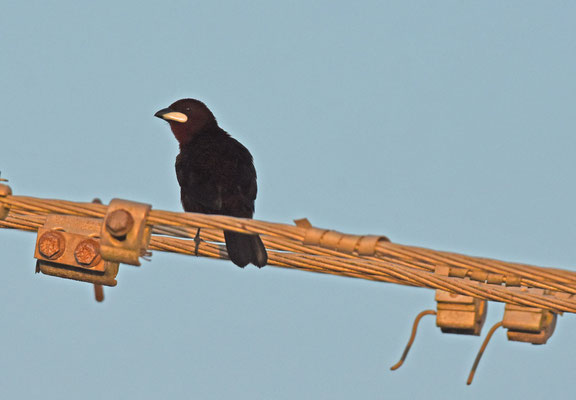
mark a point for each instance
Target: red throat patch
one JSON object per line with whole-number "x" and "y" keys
{"x": 181, "y": 132}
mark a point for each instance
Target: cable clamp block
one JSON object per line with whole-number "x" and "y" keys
{"x": 529, "y": 324}
{"x": 460, "y": 314}
{"x": 69, "y": 247}
{"x": 124, "y": 234}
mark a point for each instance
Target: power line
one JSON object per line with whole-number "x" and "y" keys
{"x": 308, "y": 248}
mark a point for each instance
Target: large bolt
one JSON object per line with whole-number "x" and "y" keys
{"x": 51, "y": 245}
{"x": 87, "y": 253}
{"x": 119, "y": 223}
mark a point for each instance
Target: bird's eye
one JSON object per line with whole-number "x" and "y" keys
{"x": 188, "y": 109}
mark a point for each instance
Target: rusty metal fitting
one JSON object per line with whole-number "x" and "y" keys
{"x": 529, "y": 324}
{"x": 4, "y": 191}
{"x": 119, "y": 223}
{"x": 87, "y": 252}
{"x": 460, "y": 314}
{"x": 456, "y": 313}
{"x": 80, "y": 259}
{"x": 124, "y": 234}
{"x": 52, "y": 245}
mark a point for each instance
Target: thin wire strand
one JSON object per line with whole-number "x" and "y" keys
{"x": 481, "y": 351}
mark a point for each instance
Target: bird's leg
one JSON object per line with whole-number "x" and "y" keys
{"x": 197, "y": 240}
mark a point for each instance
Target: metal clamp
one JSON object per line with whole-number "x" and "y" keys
{"x": 529, "y": 324}
{"x": 69, "y": 247}
{"x": 457, "y": 313}
{"x": 124, "y": 234}
{"x": 525, "y": 324}
{"x": 460, "y": 314}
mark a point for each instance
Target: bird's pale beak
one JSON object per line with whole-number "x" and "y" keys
{"x": 170, "y": 115}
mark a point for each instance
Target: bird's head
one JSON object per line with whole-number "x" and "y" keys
{"x": 187, "y": 117}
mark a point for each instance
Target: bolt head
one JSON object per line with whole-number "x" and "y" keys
{"x": 119, "y": 223}
{"x": 5, "y": 190}
{"x": 51, "y": 245}
{"x": 87, "y": 253}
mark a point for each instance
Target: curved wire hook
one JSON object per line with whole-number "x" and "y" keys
{"x": 412, "y": 337}
{"x": 481, "y": 351}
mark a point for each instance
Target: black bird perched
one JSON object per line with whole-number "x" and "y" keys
{"x": 216, "y": 175}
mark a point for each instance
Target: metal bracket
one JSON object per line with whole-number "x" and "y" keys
{"x": 69, "y": 247}
{"x": 460, "y": 314}
{"x": 525, "y": 324}
{"x": 124, "y": 234}
{"x": 529, "y": 324}
{"x": 464, "y": 315}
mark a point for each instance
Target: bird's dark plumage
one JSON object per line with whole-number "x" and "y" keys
{"x": 216, "y": 174}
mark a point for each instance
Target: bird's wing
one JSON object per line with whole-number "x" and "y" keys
{"x": 248, "y": 186}
{"x": 240, "y": 189}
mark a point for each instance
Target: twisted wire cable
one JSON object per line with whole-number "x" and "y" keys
{"x": 287, "y": 246}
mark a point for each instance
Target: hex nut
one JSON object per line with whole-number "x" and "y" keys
{"x": 87, "y": 253}
{"x": 51, "y": 245}
{"x": 119, "y": 223}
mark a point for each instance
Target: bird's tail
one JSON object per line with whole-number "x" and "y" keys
{"x": 244, "y": 249}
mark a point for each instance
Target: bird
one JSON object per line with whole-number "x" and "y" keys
{"x": 216, "y": 175}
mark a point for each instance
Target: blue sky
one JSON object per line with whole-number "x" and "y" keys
{"x": 447, "y": 125}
